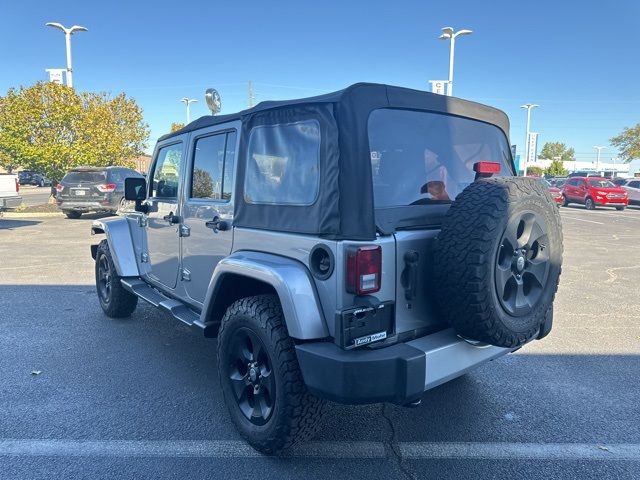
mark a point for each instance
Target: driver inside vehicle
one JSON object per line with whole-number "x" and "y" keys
{"x": 436, "y": 177}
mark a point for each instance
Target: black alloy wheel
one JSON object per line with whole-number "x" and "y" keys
{"x": 522, "y": 265}
{"x": 105, "y": 277}
{"x": 251, "y": 376}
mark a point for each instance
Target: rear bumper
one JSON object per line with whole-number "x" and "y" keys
{"x": 91, "y": 206}
{"x": 399, "y": 374}
{"x": 10, "y": 202}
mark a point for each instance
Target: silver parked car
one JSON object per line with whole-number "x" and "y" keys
{"x": 361, "y": 246}
{"x": 632, "y": 186}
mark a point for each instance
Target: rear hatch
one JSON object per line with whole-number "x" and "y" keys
{"x": 84, "y": 186}
{"x": 420, "y": 162}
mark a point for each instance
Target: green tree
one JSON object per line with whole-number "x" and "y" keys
{"x": 557, "y": 150}
{"x": 628, "y": 142}
{"x": 175, "y": 126}
{"x": 51, "y": 128}
{"x": 556, "y": 169}
{"x": 202, "y": 184}
{"x": 8, "y": 163}
{"x": 534, "y": 171}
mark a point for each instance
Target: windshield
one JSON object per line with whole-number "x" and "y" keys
{"x": 423, "y": 157}
{"x": 601, "y": 184}
{"x": 85, "y": 177}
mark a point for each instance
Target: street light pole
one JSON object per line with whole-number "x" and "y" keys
{"x": 599, "y": 149}
{"x": 528, "y": 106}
{"x": 449, "y": 34}
{"x": 67, "y": 36}
{"x": 188, "y": 102}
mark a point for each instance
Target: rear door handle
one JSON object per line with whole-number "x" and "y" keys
{"x": 171, "y": 218}
{"x": 217, "y": 224}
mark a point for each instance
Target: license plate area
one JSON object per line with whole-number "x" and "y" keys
{"x": 79, "y": 192}
{"x": 362, "y": 326}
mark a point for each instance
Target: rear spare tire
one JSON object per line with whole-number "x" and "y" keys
{"x": 498, "y": 259}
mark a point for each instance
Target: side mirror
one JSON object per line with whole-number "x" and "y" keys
{"x": 135, "y": 188}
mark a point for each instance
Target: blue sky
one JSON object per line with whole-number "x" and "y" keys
{"x": 579, "y": 62}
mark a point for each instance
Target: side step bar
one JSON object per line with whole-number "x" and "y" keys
{"x": 149, "y": 294}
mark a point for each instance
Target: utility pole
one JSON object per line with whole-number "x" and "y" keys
{"x": 251, "y": 96}
{"x": 528, "y": 106}
{"x": 449, "y": 34}
{"x": 67, "y": 35}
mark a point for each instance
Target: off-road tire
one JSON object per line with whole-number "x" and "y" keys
{"x": 119, "y": 303}
{"x": 73, "y": 214}
{"x": 296, "y": 412}
{"x": 471, "y": 247}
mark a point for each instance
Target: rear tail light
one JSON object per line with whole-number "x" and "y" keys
{"x": 59, "y": 187}
{"x": 364, "y": 269}
{"x": 107, "y": 187}
{"x": 486, "y": 168}
{"x": 17, "y": 185}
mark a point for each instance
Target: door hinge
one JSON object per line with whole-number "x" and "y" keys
{"x": 186, "y": 275}
{"x": 184, "y": 231}
{"x": 144, "y": 257}
{"x": 142, "y": 221}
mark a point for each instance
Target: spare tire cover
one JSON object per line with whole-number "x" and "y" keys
{"x": 498, "y": 259}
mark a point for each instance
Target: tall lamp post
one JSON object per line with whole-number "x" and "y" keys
{"x": 67, "y": 36}
{"x": 599, "y": 149}
{"x": 188, "y": 101}
{"x": 528, "y": 106}
{"x": 449, "y": 34}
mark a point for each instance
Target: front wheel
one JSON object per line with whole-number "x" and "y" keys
{"x": 589, "y": 204}
{"x": 116, "y": 302}
{"x": 619, "y": 208}
{"x": 260, "y": 377}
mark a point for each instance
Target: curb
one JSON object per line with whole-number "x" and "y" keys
{"x": 30, "y": 214}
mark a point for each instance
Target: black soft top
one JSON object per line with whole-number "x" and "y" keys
{"x": 344, "y": 208}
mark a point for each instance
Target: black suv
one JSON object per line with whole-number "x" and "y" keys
{"x": 92, "y": 189}
{"x": 28, "y": 177}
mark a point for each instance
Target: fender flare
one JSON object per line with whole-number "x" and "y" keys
{"x": 120, "y": 244}
{"x": 289, "y": 278}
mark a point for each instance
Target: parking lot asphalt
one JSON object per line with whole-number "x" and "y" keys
{"x": 32, "y": 195}
{"x": 139, "y": 398}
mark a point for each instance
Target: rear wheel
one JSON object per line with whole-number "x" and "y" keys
{"x": 260, "y": 377}
{"x": 116, "y": 302}
{"x": 589, "y": 204}
{"x": 73, "y": 214}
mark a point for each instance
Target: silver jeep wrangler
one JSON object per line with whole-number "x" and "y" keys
{"x": 361, "y": 246}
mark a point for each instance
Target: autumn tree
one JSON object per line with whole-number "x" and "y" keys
{"x": 51, "y": 128}
{"x": 534, "y": 171}
{"x": 557, "y": 151}
{"x": 175, "y": 126}
{"x": 628, "y": 142}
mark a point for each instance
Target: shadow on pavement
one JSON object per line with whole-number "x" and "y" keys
{"x": 10, "y": 223}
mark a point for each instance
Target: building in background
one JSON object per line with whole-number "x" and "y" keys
{"x": 141, "y": 163}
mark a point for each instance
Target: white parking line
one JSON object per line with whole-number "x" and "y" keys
{"x": 331, "y": 450}
{"x": 582, "y": 219}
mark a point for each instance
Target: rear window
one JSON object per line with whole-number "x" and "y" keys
{"x": 283, "y": 164}
{"x": 424, "y": 157}
{"x": 85, "y": 177}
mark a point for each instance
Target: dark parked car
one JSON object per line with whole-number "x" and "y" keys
{"x": 92, "y": 189}
{"x": 28, "y": 177}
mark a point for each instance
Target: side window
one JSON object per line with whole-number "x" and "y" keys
{"x": 116, "y": 176}
{"x": 166, "y": 172}
{"x": 634, "y": 184}
{"x": 283, "y": 164}
{"x": 213, "y": 165}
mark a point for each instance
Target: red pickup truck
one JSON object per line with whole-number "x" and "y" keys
{"x": 9, "y": 191}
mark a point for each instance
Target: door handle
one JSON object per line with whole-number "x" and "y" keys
{"x": 217, "y": 224}
{"x": 409, "y": 276}
{"x": 171, "y": 218}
